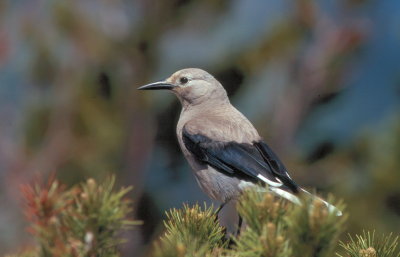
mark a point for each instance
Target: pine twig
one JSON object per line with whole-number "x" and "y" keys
{"x": 367, "y": 245}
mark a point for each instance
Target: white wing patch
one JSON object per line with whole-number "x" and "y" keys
{"x": 269, "y": 182}
{"x": 286, "y": 195}
{"x": 282, "y": 193}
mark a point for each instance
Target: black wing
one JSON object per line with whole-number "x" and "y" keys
{"x": 246, "y": 161}
{"x": 276, "y": 165}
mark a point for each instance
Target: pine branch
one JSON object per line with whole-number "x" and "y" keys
{"x": 313, "y": 229}
{"x": 85, "y": 221}
{"x": 82, "y": 221}
{"x": 367, "y": 245}
{"x": 266, "y": 234}
{"x": 191, "y": 231}
{"x": 261, "y": 207}
{"x": 277, "y": 228}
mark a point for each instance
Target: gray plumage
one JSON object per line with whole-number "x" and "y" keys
{"x": 221, "y": 145}
{"x": 222, "y": 124}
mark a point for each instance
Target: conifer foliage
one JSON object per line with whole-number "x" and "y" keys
{"x": 191, "y": 231}
{"x": 81, "y": 221}
{"x": 274, "y": 228}
{"x": 368, "y": 245}
{"x": 85, "y": 220}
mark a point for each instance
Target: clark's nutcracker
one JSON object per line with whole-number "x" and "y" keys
{"x": 223, "y": 148}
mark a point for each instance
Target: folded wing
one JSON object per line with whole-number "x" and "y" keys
{"x": 252, "y": 162}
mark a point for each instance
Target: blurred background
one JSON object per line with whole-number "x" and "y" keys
{"x": 319, "y": 79}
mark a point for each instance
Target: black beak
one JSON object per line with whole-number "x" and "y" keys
{"x": 157, "y": 85}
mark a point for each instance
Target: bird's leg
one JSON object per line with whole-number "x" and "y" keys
{"x": 218, "y": 210}
{"x": 220, "y": 207}
{"x": 239, "y": 225}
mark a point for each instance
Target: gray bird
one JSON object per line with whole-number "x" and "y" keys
{"x": 221, "y": 145}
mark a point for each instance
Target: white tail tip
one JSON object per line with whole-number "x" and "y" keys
{"x": 331, "y": 208}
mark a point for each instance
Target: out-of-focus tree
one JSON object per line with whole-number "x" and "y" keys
{"x": 68, "y": 104}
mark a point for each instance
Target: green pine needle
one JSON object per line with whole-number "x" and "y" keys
{"x": 279, "y": 228}
{"x": 85, "y": 221}
{"x": 82, "y": 221}
{"x": 269, "y": 242}
{"x": 191, "y": 231}
{"x": 367, "y": 245}
{"x": 314, "y": 230}
{"x": 260, "y": 207}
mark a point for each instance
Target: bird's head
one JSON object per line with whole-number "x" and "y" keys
{"x": 192, "y": 86}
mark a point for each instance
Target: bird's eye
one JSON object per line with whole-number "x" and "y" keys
{"x": 184, "y": 80}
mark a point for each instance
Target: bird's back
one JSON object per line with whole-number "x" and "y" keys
{"x": 223, "y": 123}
